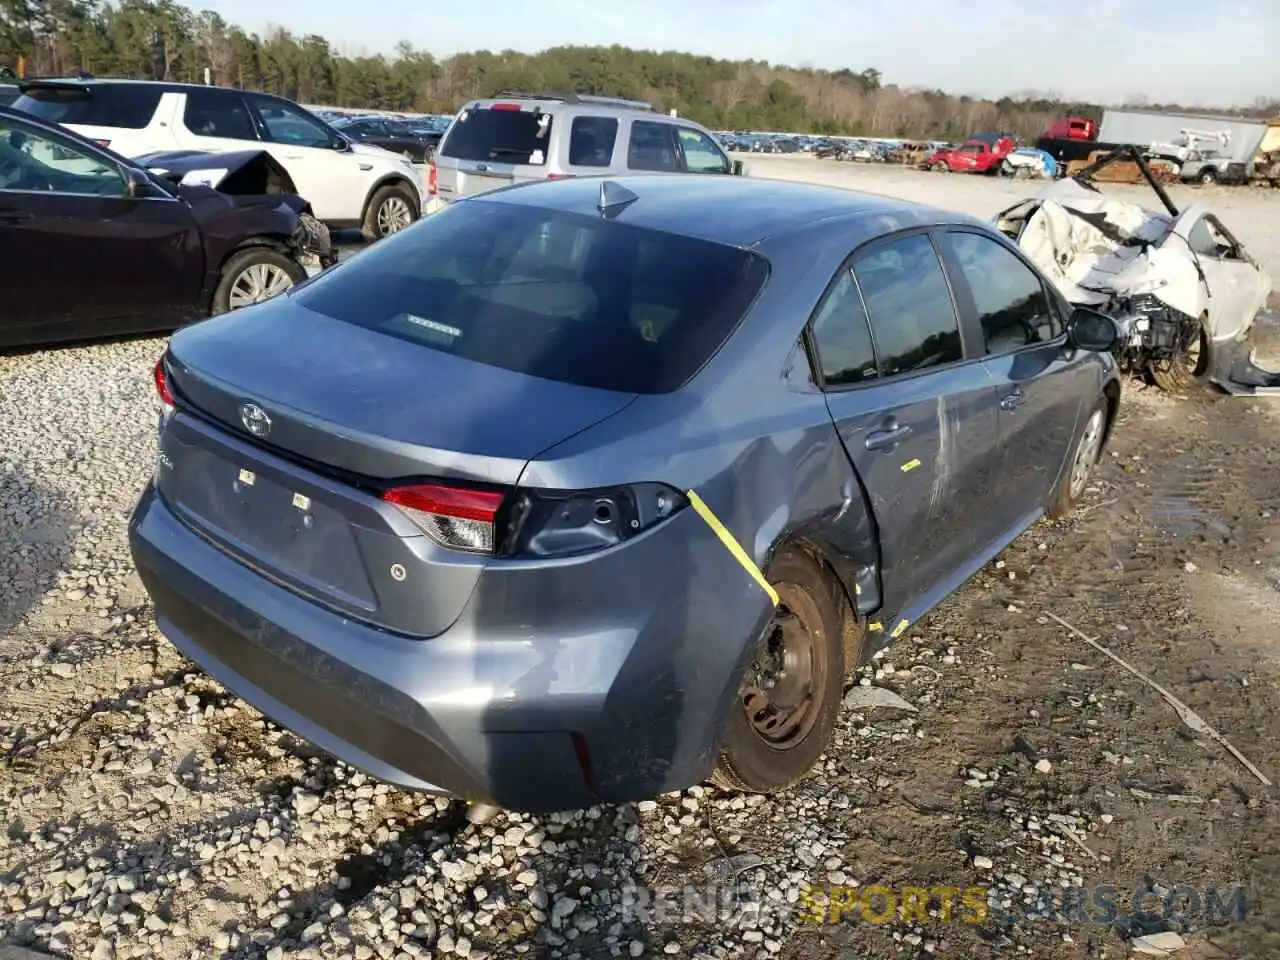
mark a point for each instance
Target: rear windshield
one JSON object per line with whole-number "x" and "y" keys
{"x": 124, "y": 105}
{"x": 499, "y": 136}
{"x": 556, "y": 295}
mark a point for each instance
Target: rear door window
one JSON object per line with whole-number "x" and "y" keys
{"x": 843, "y": 339}
{"x": 497, "y": 135}
{"x": 218, "y": 113}
{"x": 591, "y": 141}
{"x": 909, "y": 304}
{"x": 127, "y": 105}
{"x": 567, "y": 297}
{"x": 653, "y": 147}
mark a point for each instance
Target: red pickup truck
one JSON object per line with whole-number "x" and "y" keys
{"x": 972, "y": 156}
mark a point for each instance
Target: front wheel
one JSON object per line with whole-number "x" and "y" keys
{"x": 940, "y": 168}
{"x": 1075, "y": 478}
{"x": 1180, "y": 374}
{"x": 790, "y": 693}
{"x": 254, "y": 275}
{"x": 1209, "y": 176}
{"x": 391, "y": 209}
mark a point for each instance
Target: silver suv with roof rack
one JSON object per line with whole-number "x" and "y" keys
{"x": 521, "y": 137}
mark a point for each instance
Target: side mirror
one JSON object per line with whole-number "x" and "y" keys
{"x": 340, "y": 144}
{"x": 1091, "y": 330}
{"x": 137, "y": 184}
{"x": 736, "y": 168}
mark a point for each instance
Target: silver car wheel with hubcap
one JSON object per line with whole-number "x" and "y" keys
{"x": 393, "y": 216}
{"x": 258, "y": 282}
{"x": 1086, "y": 454}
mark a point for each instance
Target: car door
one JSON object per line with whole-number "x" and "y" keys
{"x": 1237, "y": 288}
{"x": 916, "y": 416}
{"x": 966, "y": 158}
{"x": 1041, "y": 383}
{"x": 699, "y": 153}
{"x": 319, "y": 161}
{"x": 81, "y": 256}
{"x": 217, "y": 119}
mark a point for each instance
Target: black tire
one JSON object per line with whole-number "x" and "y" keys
{"x": 1208, "y": 176}
{"x": 239, "y": 264}
{"x": 375, "y": 224}
{"x": 811, "y": 613}
{"x": 1180, "y": 375}
{"x": 939, "y": 168}
{"x": 1088, "y": 446}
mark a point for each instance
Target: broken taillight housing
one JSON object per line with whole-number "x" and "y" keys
{"x": 454, "y": 517}
{"x": 534, "y": 523}
{"x": 548, "y": 523}
{"x": 161, "y": 377}
{"x": 433, "y": 181}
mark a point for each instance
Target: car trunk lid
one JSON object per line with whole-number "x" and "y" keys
{"x": 282, "y": 454}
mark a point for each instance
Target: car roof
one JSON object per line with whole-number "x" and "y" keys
{"x": 167, "y": 86}
{"x": 738, "y": 211}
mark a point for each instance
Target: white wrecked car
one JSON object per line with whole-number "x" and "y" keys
{"x": 1181, "y": 288}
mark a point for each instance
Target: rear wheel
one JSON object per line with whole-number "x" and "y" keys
{"x": 790, "y": 693}
{"x": 391, "y": 209}
{"x": 254, "y": 275}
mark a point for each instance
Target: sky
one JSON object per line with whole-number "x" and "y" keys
{"x": 1193, "y": 52}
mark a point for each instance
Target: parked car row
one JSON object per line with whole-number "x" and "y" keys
{"x": 348, "y": 183}
{"x": 140, "y": 244}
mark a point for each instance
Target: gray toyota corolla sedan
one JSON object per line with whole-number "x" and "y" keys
{"x": 592, "y": 489}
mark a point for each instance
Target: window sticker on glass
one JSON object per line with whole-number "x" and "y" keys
{"x": 447, "y": 330}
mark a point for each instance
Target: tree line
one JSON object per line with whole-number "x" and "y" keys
{"x": 163, "y": 40}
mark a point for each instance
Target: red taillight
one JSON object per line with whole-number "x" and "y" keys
{"x": 433, "y": 181}
{"x": 559, "y": 176}
{"x": 504, "y": 106}
{"x": 452, "y": 516}
{"x": 162, "y": 385}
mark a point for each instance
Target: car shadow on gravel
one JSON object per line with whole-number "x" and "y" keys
{"x": 37, "y": 527}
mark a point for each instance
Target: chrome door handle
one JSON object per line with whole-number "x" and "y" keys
{"x": 887, "y": 438}
{"x": 1013, "y": 400}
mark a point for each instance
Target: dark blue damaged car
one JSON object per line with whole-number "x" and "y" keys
{"x": 588, "y": 490}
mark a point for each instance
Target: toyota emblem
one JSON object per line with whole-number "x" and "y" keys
{"x": 255, "y": 419}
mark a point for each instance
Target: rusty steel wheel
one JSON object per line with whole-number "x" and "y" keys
{"x": 791, "y": 686}
{"x": 779, "y": 689}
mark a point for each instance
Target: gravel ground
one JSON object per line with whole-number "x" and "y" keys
{"x": 148, "y": 813}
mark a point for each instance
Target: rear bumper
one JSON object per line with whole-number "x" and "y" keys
{"x": 558, "y": 687}
{"x": 1233, "y": 367}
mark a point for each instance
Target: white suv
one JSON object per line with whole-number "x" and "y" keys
{"x": 347, "y": 184}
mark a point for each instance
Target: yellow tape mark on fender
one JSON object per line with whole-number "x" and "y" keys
{"x": 875, "y": 626}
{"x": 900, "y": 629}
{"x": 910, "y": 465}
{"x": 732, "y": 545}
